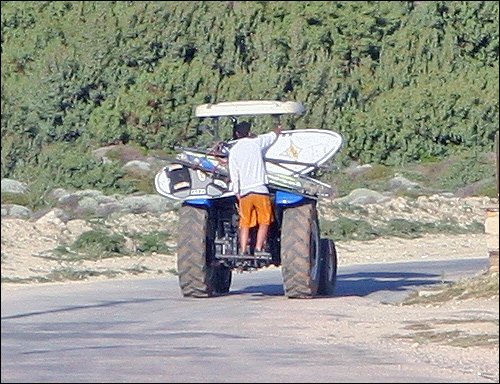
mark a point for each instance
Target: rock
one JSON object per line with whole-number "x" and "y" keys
{"x": 14, "y": 186}
{"x": 402, "y": 183}
{"x": 14, "y": 210}
{"x": 362, "y": 196}
{"x": 137, "y": 168}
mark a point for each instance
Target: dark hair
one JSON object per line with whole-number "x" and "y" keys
{"x": 242, "y": 129}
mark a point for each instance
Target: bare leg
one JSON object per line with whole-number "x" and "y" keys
{"x": 244, "y": 236}
{"x": 261, "y": 237}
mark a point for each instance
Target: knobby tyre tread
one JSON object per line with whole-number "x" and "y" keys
{"x": 300, "y": 251}
{"x": 195, "y": 277}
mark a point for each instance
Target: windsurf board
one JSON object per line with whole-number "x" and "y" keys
{"x": 301, "y": 151}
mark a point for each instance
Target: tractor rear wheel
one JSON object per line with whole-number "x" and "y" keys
{"x": 300, "y": 251}
{"x": 198, "y": 275}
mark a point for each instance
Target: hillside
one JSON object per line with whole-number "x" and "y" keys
{"x": 405, "y": 83}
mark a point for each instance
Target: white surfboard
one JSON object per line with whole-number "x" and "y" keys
{"x": 249, "y": 107}
{"x": 301, "y": 151}
{"x": 295, "y": 152}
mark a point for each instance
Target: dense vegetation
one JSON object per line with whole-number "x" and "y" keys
{"x": 402, "y": 81}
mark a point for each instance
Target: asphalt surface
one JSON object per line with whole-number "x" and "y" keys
{"x": 143, "y": 330}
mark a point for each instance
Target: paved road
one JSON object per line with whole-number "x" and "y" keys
{"x": 143, "y": 330}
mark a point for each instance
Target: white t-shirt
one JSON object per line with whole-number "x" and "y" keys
{"x": 246, "y": 164}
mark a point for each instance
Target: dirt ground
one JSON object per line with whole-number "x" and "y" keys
{"x": 25, "y": 242}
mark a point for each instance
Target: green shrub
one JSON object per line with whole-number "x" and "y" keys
{"x": 98, "y": 240}
{"x": 403, "y": 228}
{"x": 15, "y": 198}
{"x": 347, "y": 229}
{"x": 154, "y": 242}
{"x": 467, "y": 169}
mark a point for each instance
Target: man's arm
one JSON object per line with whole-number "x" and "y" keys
{"x": 266, "y": 139}
{"x": 234, "y": 176}
{"x": 278, "y": 129}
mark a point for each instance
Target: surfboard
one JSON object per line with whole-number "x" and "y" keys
{"x": 199, "y": 173}
{"x": 301, "y": 151}
{"x": 300, "y": 184}
{"x": 297, "y": 151}
{"x": 184, "y": 181}
{"x": 249, "y": 107}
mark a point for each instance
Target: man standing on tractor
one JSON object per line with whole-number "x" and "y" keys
{"x": 248, "y": 176}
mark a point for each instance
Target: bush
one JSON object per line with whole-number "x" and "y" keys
{"x": 100, "y": 241}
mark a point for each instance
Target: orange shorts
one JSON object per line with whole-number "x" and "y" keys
{"x": 255, "y": 209}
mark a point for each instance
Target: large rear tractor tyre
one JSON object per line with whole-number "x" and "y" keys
{"x": 328, "y": 268}
{"x": 300, "y": 251}
{"x": 197, "y": 276}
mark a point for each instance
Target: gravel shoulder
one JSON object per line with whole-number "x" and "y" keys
{"x": 24, "y": 244}
{"x": 28, "y": 245}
